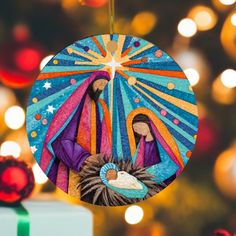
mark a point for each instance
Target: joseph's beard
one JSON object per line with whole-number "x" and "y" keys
{"x": 95, "y": 95}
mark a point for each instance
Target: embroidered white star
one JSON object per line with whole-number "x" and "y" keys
{"x": 33, "y": 149}
{"x": 51, "y": 109}
{"x": 113, "y": 65}
{"x": 47, "y": 85}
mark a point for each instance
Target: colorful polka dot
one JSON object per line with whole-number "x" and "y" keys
{"x": 112, "y": 46}
{"x": 176, "y": 121}
{"x": 170, "y": 85}
{"x": 35, "y": 100}
{"x": 72, "y": 81}
{"x": 137, "y": 44}
{"x": 144, "y": 59}
{"x": 37, "y": 116}
{"x": 44, "y": 122}
{"x": 55, "y": 62}
{"x": 163, "y": 112}
{"x": 158, "y": 53}
{"x": 136, "y": 100}
{"x": 132, "y": 80}
{"x": 33, "y": 134}
{"x": 188, "y": 154}
{"x": 86, "y": 48}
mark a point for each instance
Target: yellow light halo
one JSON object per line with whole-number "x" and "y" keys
{"x": 225, "y": 172}
{"x": 204, "y": 17}
{"x": 70, "y": 4}
{"x": 123, "y": 26}
{"x": 143, "y": 23}
{"x": 221, "y": 93}
{"x": 227, "y": 35}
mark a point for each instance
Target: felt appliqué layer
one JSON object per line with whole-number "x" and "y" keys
{"x": 112, "y": 120}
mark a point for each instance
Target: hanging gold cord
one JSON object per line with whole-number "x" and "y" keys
{"x": 112, "y": 15}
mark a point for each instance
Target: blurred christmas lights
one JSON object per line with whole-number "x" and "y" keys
{"x": 10, "y": 148}
{"x": 7, "y": 99}
{"x": 21, "y": 32}
{"x": 196, "y": 67}
{"x": 134, "y": 215}
{"x": 208, "y": 134}
{"x": 123, "y": 26}
{"x": 228, "y": 78}
{"x": 27, "y": 59}
{"x": 143, "y": 23}
{"x": 204, "y": 17}
{"x": 223, "y": 87}
{"x": 93, "y": 3}
{"x": 192, "y": 75}
{"x": 15, "y": 117}
{"x": 187, "y": 27}
{"x": 20, "y": 137}
{"x": 45, "y": 61}
{"x": 227, "y": 2}
{"x": 40, "y": 177}
{"x": 233, "y": 19}
{"x": 228, "y": 33}
{"x": 99, "y": 17}
{"x": 225, "y": 172}
{"x": 158, "y": 229}
{"x": 69, "y": 4}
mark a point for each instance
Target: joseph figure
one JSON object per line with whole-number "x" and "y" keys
{"x": 85, "y": 133}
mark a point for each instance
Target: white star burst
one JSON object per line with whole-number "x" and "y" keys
{"x": 47, "y": 85}
{"x": 113, "y": 64}
{"x": 51, "y": 109}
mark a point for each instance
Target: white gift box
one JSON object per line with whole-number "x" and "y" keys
{"x": 49, "y": 218}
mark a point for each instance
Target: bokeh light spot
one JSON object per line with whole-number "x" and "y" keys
{"x": 134, "y": 215}
{"x": 187, "y": 27}
{"x": 15, "y": 117}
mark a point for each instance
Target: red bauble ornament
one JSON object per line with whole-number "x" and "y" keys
{"x": 19, "y": 63}
{"x": 16, "y": 180}
{"x": 93, "y": 3}
{"x": 208, "y": 136}
{"x": 222, "y": 232}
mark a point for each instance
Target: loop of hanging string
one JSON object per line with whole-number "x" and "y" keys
{"x": 111, "y": 16}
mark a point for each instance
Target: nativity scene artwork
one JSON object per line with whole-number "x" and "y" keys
{"x": 112, "y": 120}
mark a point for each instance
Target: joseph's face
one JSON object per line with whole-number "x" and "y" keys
{"x": 99, "y": 84}
{"x": 141, "y": 128}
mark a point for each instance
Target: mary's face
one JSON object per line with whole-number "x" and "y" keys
{"x": 141, "y": 128}
{"x": 99, "y": 84}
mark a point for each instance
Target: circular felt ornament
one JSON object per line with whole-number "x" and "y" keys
{"x": 112, "y": 120}
{"x": 16, "y": 180}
